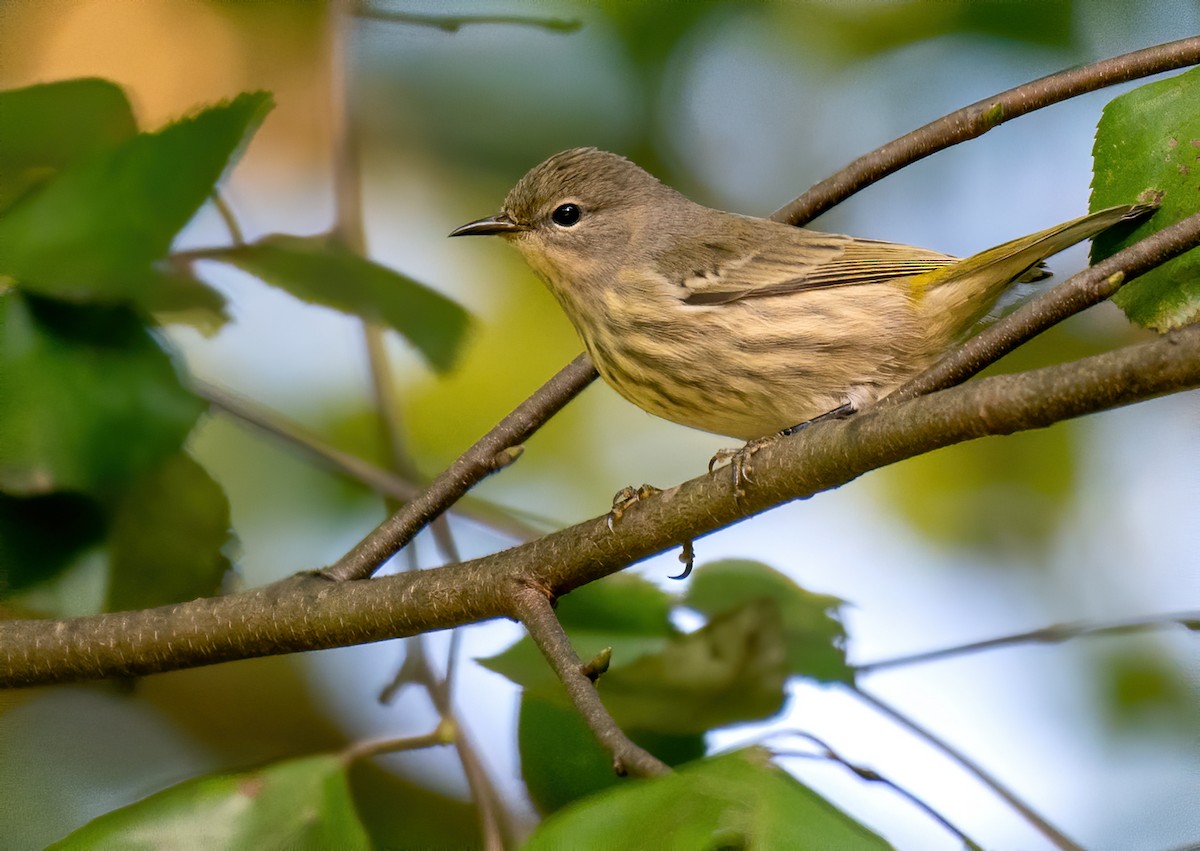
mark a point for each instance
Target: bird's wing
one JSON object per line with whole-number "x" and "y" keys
{"x": 813, "y": 261}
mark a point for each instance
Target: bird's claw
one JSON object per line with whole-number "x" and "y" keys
{"x": 626, "y": 497}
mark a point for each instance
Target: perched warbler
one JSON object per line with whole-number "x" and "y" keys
{"x": 744, "y": 326}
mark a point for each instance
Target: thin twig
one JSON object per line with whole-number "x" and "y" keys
{"x": 453, "y": 23}
{"x": 1056, "y": 836}
{"x": 1055, "y": 634}
{"x": 350, "y": 230}
{"x": 309, "y": 612}
{"x": 376, "y": 478}
{"x": 532, "y": 607}
{"x": 225, "y": 211}
{"x": 872, "y": 776}
{"x": 488, "y": 454}
{"x": 1089, "y": 287}
{"x": 442, "y": 735}
{"x": 978, "y": 118}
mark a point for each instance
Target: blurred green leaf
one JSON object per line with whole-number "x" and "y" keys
{"x": 561, "y": 761}
{"x": 320, "y": 271}
{"x": 90, "y": 399}
{"x": 181, "y": 299}
{"x": 812, "y": 628}
{"x": 92, "y": 232}
{"x": 1005, "y": 493}
{"x": 168, "y": 531}
{"x": 48, "y": 126}
{"x": 862, "y": 29}
{"x": 622, "y": 611}
{"x": 739, "y": 800}
{"x": 731, "y": 670}
{"x": 1147, "y": 690}
{"x": 1149, "y": 139}
{"x": 40, "y": 536}
{"x": 621, "y": 604}
{"x": 298, "y": 804}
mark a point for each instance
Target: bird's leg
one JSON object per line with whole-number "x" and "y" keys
{"x": 739, "y": 459}
{"x": 626, "y": 497}
{"x": 839, "y": 413}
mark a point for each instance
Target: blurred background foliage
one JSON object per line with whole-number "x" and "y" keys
{"x": 742, "y": 105}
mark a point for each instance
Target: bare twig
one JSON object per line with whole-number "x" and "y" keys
{"x": 443, "y": 734}
{"x": 872, "y": 776}
{"x": 453, "y": 23}
{"x": 532, "y": 607}
{"x": 978, "y": 118}
{"x": 225, "y": 211}
{"x": 1055, "y": 634}
{"x": 376, "y": 478}
{"x": 493, "y": 449}
{"x": 954, "y": 128}
{"x": 1087, "y": 288}
{"x": 1056, "y": 836}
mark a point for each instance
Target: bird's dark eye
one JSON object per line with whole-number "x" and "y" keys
{"x": 566, "y": 215}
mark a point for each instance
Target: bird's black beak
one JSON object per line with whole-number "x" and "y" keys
{"x": 498, "y": 224}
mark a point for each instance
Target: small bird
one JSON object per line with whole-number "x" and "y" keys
{"x": 744, "y": 326}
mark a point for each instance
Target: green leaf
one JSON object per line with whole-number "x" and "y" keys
{"x": 812, "y": 628}
{"x": 92, "y": 232}
{"x": 624, "y": 612}
{"x": 1148, "y": 690}
{"x": 181, "y": 299}
{"x": 561, "y": 761}
{"x": 48, "y": 126}
{"x": 298, "y": 804}
{"x": 731, "y": 670}
{"x": 735, "y": 801}
{"x": 41, "y": 536}
{"x": 168, "y": 530}
{"x": 90, "y": 399}
{"x": 320, "y": 271}
{"x": 1149, "y": 139}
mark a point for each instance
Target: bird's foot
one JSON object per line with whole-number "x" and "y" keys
{"x": 626, "y": 497}
{"x": 739, "y": 462}
{"x": 739, "y": 459}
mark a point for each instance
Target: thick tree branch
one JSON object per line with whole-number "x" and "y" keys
{"x": 533, "y": 608}
{"x": 978, "y": 118}
{"x": 308, "y": 612}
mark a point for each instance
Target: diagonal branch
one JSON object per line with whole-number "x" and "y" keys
{"x": 534, "y": 610}
{"x": 973, "y": 121}
{"x": 308, "y": 612}
{"x": 495, "y": 450}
